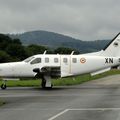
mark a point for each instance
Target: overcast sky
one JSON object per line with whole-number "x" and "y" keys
{"x": 83, "y": 19}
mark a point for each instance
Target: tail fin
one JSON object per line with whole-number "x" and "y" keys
{"x": 113, "y": 48}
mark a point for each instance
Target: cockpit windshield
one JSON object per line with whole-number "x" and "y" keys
{"x": 29, "y": 59}
{"x": 35, "y": 61}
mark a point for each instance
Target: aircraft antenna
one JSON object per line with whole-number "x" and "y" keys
{"x": 72, "y": 52}
{"x": 44, "y": 52}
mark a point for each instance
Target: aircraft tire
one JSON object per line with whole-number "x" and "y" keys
{"x": 3, "y": 86}
{"x": 43, "y": 84}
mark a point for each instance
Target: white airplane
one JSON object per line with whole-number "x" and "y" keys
{"x": 48, "y": 66}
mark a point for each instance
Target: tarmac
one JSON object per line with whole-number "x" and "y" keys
{"x": 93, "y": 100}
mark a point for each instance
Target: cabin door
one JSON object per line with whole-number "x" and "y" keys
{"x": 65, "y": 65}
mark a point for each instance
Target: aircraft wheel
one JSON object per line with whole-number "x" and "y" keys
{"x": 3, "y": 86}
{"x": 51, "y": 86}
{"x": 43, "y": 84}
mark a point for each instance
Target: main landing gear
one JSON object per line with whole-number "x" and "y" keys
{"x": 3, "y": 86}
{"x": 46, "y": 82}
{"x": 45, "y": 75}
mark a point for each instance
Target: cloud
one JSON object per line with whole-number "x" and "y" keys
{"x": 83, "y": 19}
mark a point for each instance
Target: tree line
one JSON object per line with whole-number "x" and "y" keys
{"x": 13, "y": 50}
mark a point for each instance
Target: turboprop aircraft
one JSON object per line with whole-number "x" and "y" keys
{"x": 46, "y": 66}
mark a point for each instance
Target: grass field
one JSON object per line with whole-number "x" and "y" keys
{"x": 61, "y": 81}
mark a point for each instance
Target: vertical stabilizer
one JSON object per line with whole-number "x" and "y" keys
{"x": 113, "y": 48}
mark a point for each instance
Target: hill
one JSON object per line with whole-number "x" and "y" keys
{"x": 54, "y": 40}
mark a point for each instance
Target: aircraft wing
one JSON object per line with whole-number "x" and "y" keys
{"x": 100, "y": 71}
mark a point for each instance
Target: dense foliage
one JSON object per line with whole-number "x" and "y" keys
{"x": 13, "y": 50}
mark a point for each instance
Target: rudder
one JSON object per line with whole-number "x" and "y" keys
{"x": 113, "y": 48}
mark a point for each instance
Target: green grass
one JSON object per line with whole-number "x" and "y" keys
{"x": 23, "y": 83}
{"x": 61, "y": 81}
{"x": 83, "y": 78}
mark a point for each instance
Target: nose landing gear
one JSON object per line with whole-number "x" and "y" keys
{"x": 3, "y": 86}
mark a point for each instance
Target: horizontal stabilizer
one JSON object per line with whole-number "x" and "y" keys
{"x": 100, "y": 71}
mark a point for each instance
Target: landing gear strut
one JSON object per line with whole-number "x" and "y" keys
{"x": 46, "y": 82}
{"x": 3, "y": 86}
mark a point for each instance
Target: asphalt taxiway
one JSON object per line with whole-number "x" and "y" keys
{"x": 94, "y": 100}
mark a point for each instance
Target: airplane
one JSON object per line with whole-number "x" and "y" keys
{"x": 48, "y": 66}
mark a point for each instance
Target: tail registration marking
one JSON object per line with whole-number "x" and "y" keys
{"x": 108, "y": 60}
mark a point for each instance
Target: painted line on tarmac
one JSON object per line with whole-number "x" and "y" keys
{"x": 95, "y": 109}
{"x": 62, "y": 95}
{"x": 59, "y": 114}
{"x": 83, "y": 109}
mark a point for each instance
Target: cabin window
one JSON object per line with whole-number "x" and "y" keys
{"x": 65, "y": 60}
{"x": 35, "y": 61}
{"x": 74, "y": 60}
{"x": 56, "y": 60}
{"x": 46, "y": 60}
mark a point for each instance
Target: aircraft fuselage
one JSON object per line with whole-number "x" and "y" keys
{"x": 69, "y": 65}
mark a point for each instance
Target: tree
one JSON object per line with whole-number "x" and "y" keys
{"x": 4, "y": 57}
{"x": 4, "y": 40}
{"x": 16, "y": 41}
{"x": 64, "y": 50}
{"x": 36, "y": 49}
{"x": 17, "y": 51}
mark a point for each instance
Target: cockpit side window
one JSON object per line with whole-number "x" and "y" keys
{"x": 35, "y": 61}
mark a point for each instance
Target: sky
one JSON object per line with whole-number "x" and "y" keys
{"x": 82, "y": 19}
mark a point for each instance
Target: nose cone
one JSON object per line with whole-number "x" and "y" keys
{"x": 5, "y": 70}
{"x": 16, "y": 70}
